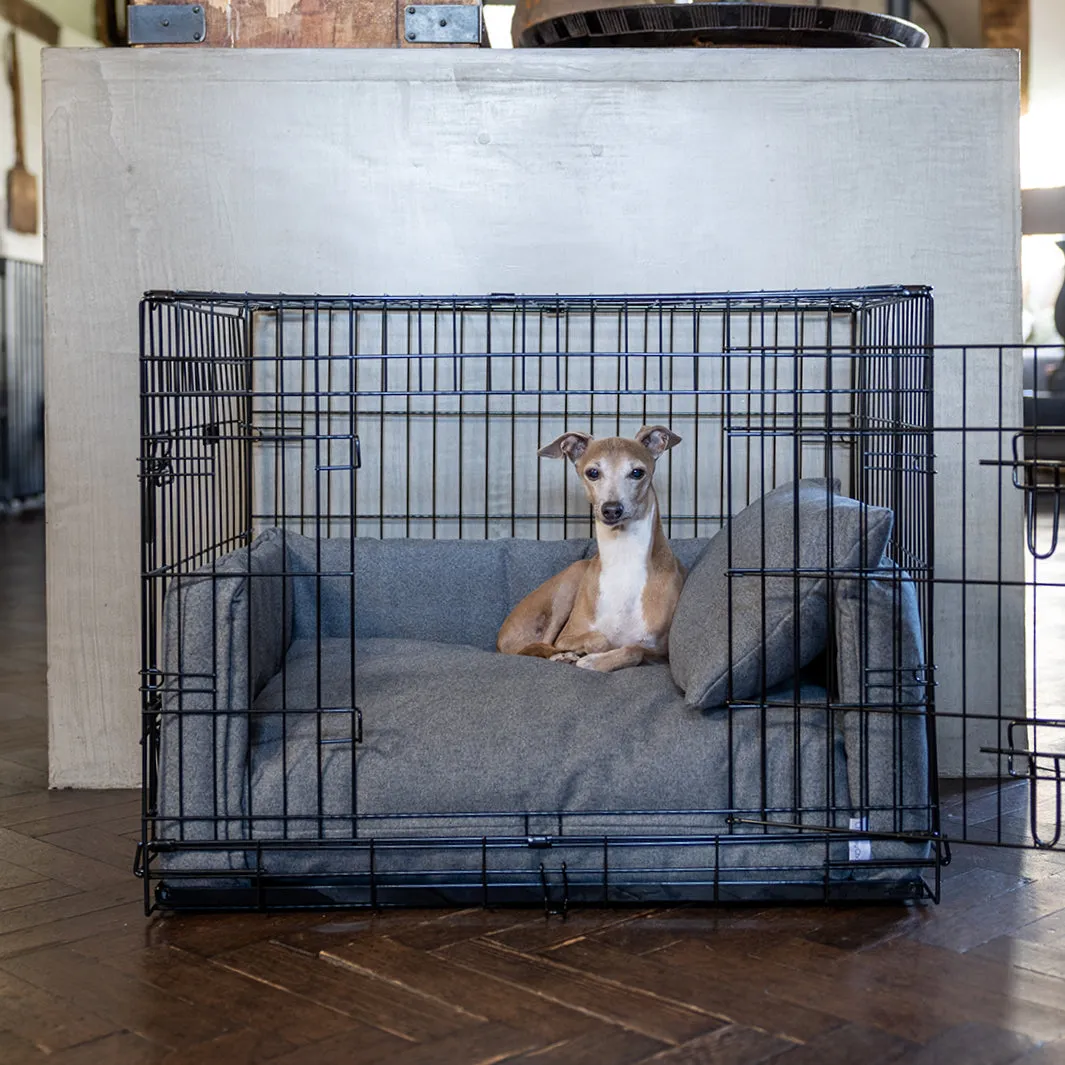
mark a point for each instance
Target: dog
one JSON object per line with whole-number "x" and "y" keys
{"x": 614, "y": 610}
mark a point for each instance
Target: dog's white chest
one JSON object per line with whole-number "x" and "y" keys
{"x": 623, "y": 562}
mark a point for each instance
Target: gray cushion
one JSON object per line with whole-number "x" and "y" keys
{"x": 447, "y": 591}
{"x": 689, "y": 550}
{"x": 778, "y": 623}
{"x": 880, "y": 669}
{"x": 225, "y": 634}
{"x": 452, "y": 730}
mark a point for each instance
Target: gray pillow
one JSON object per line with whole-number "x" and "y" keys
{"x": 768, "y": 645}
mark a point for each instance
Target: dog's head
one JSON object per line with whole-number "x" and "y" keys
{"x": 616, "y": 472}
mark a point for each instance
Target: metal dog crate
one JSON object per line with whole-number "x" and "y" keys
{"x": 419, "y": 418}
{"x": 21, "y": 384}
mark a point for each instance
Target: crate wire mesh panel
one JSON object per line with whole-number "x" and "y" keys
{"x": 285, "y": 440}
{"x": 21, "y": 384}
{"x": 1002, "y": 591}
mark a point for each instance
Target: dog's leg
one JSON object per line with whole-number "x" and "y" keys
{"x": 569, "y": 657}
{"x": 539, "y": 618}
{"x": 567, "y": 648}
{"x": 538, "y": 650}
{"x": 571, "y": 648}
{"x": 618, "y": 658}
{"x": 584, "y": 643}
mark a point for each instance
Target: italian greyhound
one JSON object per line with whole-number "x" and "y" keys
{"x": 614, "y": 610}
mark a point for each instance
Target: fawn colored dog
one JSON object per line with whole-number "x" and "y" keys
{"x": 613, "y": 610}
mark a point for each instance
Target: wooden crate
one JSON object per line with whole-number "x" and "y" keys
{"x": 289, "y": 24}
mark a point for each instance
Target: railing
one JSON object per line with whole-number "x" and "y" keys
{"x": 21, "y": 385}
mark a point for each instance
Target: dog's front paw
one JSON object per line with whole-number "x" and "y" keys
{"x": 592, "y": 661}
{"x": 570, "y": 657}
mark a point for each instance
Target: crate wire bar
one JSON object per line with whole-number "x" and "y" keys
{"x": 21, "y": 385}
{"x": 350, "y": 420}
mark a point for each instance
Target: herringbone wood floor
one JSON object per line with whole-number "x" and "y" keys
{"x": 85, "y": 979}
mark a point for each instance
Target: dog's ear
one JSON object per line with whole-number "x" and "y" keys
{"x": 568, "y": 445}
{"x": 657, "y": 438}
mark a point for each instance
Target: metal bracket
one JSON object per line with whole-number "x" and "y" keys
{"x": 356, "y": 735}
{"x": 1035, "y": 773}
{"x": 156, "y": 467}
{"x": 442, "y": 23}
{"x": 166, "y": 23}
{"x": 551, "y": 909}
{"x": 1037, "y": 477}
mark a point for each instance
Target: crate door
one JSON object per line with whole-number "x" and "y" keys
{"x": 1000, "y": 587}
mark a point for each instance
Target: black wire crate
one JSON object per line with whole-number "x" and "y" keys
{"x": 21, "y": 384}
{"x": 342, "y": 500}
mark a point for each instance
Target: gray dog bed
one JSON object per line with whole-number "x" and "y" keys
{"x": 479, "y": 777}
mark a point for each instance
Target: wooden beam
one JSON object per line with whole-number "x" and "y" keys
{"x": 109, "y": 30}
{"x": 24, "y": 16}
{"x": 1005, "y": 24}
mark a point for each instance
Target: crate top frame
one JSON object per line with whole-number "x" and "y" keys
{"x": 767, "y": 301}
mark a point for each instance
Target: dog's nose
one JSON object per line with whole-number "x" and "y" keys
{"x": 611, "y": 511}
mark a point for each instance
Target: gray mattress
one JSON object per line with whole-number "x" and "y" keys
{"x": 456, "y": 729}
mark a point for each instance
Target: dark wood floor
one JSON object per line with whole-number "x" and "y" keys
{"x": 84, "y": 978}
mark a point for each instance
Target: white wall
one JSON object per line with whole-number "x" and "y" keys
{"x": 438, "y": 171}
{"x": 23, "y": 245}
{"x": 1043, "y": 163}
{"x": 77, "y": 16}
{"x": 1042, "y": 128}
{"x": 962, "y": 18}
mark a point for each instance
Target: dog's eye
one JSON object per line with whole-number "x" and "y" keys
{"x": 636, "y": 474}
{"x": 592, "y": 474}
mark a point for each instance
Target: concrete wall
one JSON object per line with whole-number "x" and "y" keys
{"x": 437, "y": 172}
